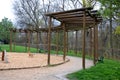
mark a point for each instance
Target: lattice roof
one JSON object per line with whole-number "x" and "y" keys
{"x": 74, "y": 18}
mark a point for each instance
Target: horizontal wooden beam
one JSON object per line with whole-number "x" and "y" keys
{"x": 69, "y": 11}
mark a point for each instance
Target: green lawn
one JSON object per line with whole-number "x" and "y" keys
{"x": 70, "y": 53}
{"x": 34, "y": 50}
{"x": 109, "y": 70}
{"x": 17, "y": 49}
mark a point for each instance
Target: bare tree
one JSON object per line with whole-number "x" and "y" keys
{"x": 81, "y": 3}
{"x": 27, "y": 12}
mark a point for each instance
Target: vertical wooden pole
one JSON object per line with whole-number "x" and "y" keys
{"x": 94, "y": 52}
{"x": 46, "y": 35}
{"x": 73, "y": 41}
{"x": 67, "y": 42}
{"x": 11, "y": 40}
{"x": 46, "y": 40}
{"x": 49, "y": 39}
{"x": 90, "y": 42}
{"x": 29, "y": 42}
{"x": 96, "y": 38}
{"x": 80, "y": 41}
{"x": 64, "y": 31}
{"x": 40, "y": 40}
{"x": 37, "y": 45}
{"x": 26, "y": 41}
{"x": 14, "y": 43}
{"x": 57, "y": 42}
{"x": 3, "y": 55}
{"x": 76, "y": 42}
{"x": 84, "y": 33}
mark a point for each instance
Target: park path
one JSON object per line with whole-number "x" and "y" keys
{"x": 46, "y": 73}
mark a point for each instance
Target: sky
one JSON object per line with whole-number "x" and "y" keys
{"x": 6, "y": 9}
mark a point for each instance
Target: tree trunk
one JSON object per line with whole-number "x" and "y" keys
{"x": 111, "y": 41}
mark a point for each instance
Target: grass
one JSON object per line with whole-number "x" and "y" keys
{"x": 18, "y": 49}
{"x": 70, "y": 53}
{"x": 109, "y": 70}
{"x": 34, "y": 50}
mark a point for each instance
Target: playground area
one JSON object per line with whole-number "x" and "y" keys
{"x": 55, "y": 38}
{"x": 24, "y": 61}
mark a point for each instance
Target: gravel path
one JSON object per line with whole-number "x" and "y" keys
{"x": 45, "y": 73}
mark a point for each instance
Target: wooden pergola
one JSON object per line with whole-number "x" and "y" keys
{"x": 77, "y": 19}
{"x": 72, "y": 20}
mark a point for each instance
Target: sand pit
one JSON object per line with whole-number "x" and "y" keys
{"x": 23, "y": 61}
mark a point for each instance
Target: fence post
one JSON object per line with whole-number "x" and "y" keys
{"x": 3, "y": 55}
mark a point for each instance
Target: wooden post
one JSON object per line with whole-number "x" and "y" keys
{"x": 80, "y": 40}
{"x": 37, "y": 45}
{"x": 46, "y": 42}
{"x": 73, "y": 41}
{"x": 84, "y": 33}
{"x": 11, "y": 40}
{"x": 96, "y": 38}
{"x": 94, "y": 52}
{"x": 14, "y": 43}
{"x": 26, "y": 41}
{"x": 57, "y": 42}
{"x": 64, "y": 31}
{"x": 3, "y": 55}
{"x": 76, "y": 42}
{"x": 49, "y": 39}
{"x": 29, "y": 42}
{"x": 40, "y": 40}
{"x": 90, "y": 42}
{"x": 67, "y": 42}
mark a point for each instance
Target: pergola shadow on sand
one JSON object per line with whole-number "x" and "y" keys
{"x": 72, "y": 20}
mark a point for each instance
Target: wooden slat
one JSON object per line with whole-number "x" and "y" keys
{"x": 69, "y": 14}
{"x": 69, "y": 11}
{"x": 75, "y": 19}
{"x": 79, "y": 22}
{"x": 72, "y": 16}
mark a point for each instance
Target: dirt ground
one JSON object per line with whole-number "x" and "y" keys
{"x": 23, "y": 60}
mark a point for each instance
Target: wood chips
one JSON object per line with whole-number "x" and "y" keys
{"x": 23, "y": 60}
